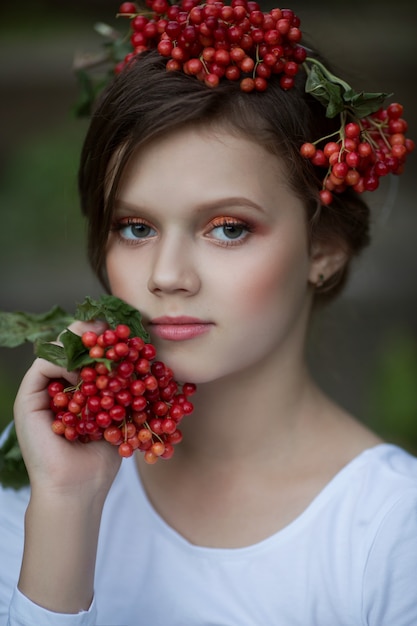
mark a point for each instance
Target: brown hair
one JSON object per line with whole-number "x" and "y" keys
{"x": 146, "y": 101}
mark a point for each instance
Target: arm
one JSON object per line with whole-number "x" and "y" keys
{"x": 61, "y": 535}
{"x": 69, "y": 485}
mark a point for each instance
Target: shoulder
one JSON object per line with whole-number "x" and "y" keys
{"x": 376, "y": 490}
{"x": 378, "y": 480}
{"x": 388, "y": 584}
{"x": 364, "y": 531}
{"x": 388, "y": 471}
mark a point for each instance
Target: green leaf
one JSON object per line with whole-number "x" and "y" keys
{"x": 75, "y": 351}
{"x": 363, "y": 103}
{"x": 52, "y": 352}
{"x": 328, "y": 93}
{"x": 19, "y": 327}
{"x": 337, "y": 95}
{"x": 13, "y": 472}
{"x": 114, "y": 311}
{"x": 72, "y": 354}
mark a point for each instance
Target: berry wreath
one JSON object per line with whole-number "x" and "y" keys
{"x": 214, "y": 41}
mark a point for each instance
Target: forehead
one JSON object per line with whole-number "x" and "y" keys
{"x": 200, "y": 159}
{"x": 191, "y": 174}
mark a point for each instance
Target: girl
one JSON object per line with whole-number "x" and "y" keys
{"x": 278, "y": 507}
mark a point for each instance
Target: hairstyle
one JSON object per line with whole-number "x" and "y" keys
{"x": 145, "y": 101}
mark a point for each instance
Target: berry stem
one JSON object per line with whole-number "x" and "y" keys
{"x": 379, "y": 126}
{"x": 336, "y": 132}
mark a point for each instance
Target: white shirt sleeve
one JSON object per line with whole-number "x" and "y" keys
{"x": 23, "y": 612}
{"x": 390, "y": 578}
{"x": 15, "y": 608}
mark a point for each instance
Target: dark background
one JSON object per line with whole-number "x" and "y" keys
{"x": 363, "y": 348}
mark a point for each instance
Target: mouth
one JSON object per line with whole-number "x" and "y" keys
{"x": 179, "y": 328}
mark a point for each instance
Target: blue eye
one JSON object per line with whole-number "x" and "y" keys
{"x": 228, "y": 231}
{"x": 134, "y": 230}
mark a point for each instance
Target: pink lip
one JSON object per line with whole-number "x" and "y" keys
{"x": 179, "y": 328}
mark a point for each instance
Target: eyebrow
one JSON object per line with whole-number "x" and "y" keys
{"x": 210, "y": 205}
{"x": 229, "y": 202}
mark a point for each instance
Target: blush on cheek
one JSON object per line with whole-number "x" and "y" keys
{"x": 278, "y": 278}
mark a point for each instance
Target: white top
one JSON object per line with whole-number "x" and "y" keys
{"x": 350, "y": 559}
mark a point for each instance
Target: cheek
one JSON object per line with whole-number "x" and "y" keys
{"x": 122, "y": 278}
{"x": 278, "y": 276}
{"x": 116, "y": 277}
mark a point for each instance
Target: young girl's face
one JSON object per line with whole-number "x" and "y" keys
{"x": 210, "y": 244}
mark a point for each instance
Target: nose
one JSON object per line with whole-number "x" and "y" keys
{"x": 173, "y": 268}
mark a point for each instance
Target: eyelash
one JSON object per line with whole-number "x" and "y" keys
{"x": 225, "y": 222}
{"x": 125, "y": 224}
{"x": 217, "y": 223}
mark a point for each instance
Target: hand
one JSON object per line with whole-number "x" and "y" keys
{"x": 54, "y": 464}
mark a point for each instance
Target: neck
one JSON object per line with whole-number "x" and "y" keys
{"x": 250, "y": 414}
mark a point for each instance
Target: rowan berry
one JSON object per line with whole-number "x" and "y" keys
{"x": 150, "y": 457}
{"x": 352, "y": 159}
{"x": 139, "y": 403}
{"x": 103, "y": 419}
{"x": 96, "y": 352}
{"x": 125, "y": 449}
{"x": 247, "y": 84}
{"x": 340, "y": 169}
{"x": 113, "y": 435}
{"x": 286, "y": 82}
{"x": 117, "y": 413}
{"x": 74, "y": 407}
{"x": 122, "y": 331}
{"x": 175, "y": 437}
{"x": 89, "y": 338}
{"x": 189, "y": 389}
{"x": 70, "y": 433}
{"x": 127, "y": 8}
{"x": 364, "y": 149}
{"x": 168, "y": 452}
{"x": 308, "y": 150}
{"x": 144, "y": 435}
{"x": 158, "y": 448}
{"x": 326, "y": 197}
{"x": 60, "y": 399}
{"x": 176, "y": 412}
{"x": 58, "y": 427}
{"x": 169, "y": 426}
{"x": 88, "y": 374}
{"x": 107, "y": 402}
{"x": 352, "y": 130}
{"x": 139, "y": 22}
{"x": 69, "y": 419}
{"x": 395, "y": 110}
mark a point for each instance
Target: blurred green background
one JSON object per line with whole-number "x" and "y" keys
{"x": 363, "y": 348}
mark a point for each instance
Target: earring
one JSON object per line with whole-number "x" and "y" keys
{"x": 320, "y": 281}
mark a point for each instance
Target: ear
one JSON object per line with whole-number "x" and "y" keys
{"x": 326, "y": 259}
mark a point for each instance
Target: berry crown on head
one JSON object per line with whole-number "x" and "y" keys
{"x": 214, "y": 41}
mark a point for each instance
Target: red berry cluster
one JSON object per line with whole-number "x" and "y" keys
{"x": 125, "y": 397}
{"x": 211, "y": 40}
{"x": 363, "y": 152}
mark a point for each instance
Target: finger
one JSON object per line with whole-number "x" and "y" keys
{"x": 97, "y": 326}
{"x": 39, "y": 376}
